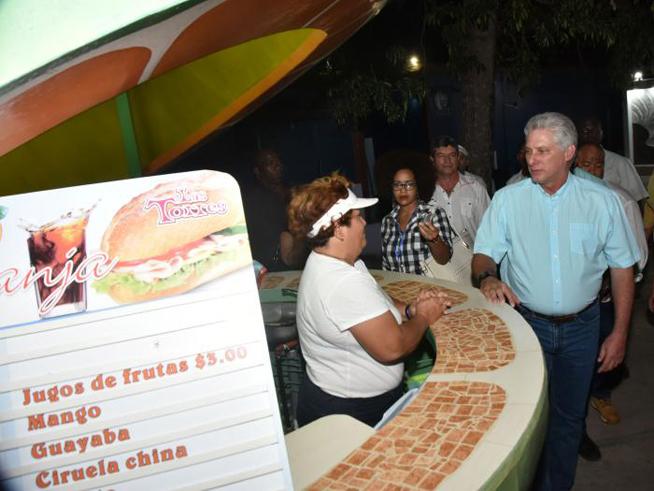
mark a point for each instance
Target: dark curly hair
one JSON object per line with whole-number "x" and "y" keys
{"x": 310, "y": 201}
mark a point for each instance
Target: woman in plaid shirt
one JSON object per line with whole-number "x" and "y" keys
{"x": 412, "y": 230}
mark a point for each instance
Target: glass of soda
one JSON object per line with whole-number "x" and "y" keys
{"x": 52, "y": 247}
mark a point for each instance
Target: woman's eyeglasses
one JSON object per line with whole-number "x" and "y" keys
{"x": 404, "y": 185}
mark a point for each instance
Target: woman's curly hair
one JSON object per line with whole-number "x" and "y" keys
{"x": 310, "y": 201}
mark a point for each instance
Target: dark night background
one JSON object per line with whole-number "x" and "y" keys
{"x": 297, "y": 122}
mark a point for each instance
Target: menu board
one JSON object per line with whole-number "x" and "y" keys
{"x": 132, "y": 348}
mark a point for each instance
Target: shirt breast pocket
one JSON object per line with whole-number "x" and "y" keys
{"x": 583, "y": 239}
{"x": 466, "y": 209}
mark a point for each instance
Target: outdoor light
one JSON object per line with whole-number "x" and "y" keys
{"x": 638, "y": 76}
{"x": 377, "y": 6}
{"x": 413, "y": 63}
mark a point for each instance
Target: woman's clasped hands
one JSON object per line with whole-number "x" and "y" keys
{"x": 430, "y": 305}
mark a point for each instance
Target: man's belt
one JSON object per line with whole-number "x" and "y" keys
{"x": 559, "y": 319}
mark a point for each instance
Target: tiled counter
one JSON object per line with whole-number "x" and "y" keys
{"x": 478, "y": 420}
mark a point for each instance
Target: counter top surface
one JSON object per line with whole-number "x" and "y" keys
{"x": 475, "y": 416}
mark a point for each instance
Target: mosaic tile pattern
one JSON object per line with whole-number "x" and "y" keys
{"x": 407, "y": 291}
{"x": 271, "y": 281}
{"x": 439, "y": 430}
{"x": 425, "y": 443}
{"x": 294, "y": 283}
{"x": 472, "y": 340}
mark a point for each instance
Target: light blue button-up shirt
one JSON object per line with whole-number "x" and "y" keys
{"x": 553, "y": 249}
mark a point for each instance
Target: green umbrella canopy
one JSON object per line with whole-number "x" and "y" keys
{"x": 92, "y": 90}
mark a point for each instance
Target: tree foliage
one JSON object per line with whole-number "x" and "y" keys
{"x": 527, "y": 35}
{"x": 368, "y": 74}
{"x": 476, "y": 41}
{"x": 353, "y": 95}
{"x": 529, "y": 32}
{"x": 358, "y": 85}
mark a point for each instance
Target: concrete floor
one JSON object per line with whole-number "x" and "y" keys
{"x": 628, "y": 447}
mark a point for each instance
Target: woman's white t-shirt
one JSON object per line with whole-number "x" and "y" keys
{"x": 334, "y": 296}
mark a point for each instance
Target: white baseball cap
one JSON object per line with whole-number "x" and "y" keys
{"x": 340, "y": 208}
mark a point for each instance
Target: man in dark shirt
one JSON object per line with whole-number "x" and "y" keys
{"x": 265, "y": 201}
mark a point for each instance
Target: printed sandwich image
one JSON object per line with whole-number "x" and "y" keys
{"x": 174, "y": 238}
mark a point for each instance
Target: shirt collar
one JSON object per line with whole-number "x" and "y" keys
{"x": 561, "y": 191}
{"x": 420, "y": 208}
{"x": 458, "y": 182}
{"x": 465, "y": 178}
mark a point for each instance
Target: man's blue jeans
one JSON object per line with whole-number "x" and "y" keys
{"x": 570, "y": 351}
{"x": 603, "y": 383}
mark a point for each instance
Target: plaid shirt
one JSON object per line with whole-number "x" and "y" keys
{"x": 404, "y": 251}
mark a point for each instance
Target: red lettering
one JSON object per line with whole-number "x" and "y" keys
{"x": 160, "y": 206}
{"x": 155, "y": 456}
{"x": 35, "y": 422}
{"x": 45, "y": 479}
{"x": 38, "y": 450}
{"x": 150, "y": 373}
{"x": 184, "y": 205}
{"x": 41, "y": 480}
{"x": 79, "y": 445}
{"x": 95, "y": 266}
{"x": 9, "y": 275}
{"x": 80, "y": 416}
{"x": 181, "y": 451}
{"x": 52, "y": 394}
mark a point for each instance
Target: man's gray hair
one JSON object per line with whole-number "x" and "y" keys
{"x": 561, "y": 126}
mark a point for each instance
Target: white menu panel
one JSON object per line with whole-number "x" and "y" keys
{"x": 132, "y": 349}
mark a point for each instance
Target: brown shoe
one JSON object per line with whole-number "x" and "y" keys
{"x": 607, "y": 411}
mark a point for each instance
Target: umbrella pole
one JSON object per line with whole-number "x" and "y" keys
{"x": 129, "y": 138}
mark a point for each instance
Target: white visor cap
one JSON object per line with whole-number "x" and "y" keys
{"x": 340, "y": 208}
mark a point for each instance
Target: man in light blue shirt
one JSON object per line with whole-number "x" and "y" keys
{"x": 554, "y": 235}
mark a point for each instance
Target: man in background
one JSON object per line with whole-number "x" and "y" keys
{"x": 590, "y": 158}
{"x": 464, "y": 163}
{"x": 265, "y": 201}
{"x": 617, "y": 169}
{"x": 462, "y": 196}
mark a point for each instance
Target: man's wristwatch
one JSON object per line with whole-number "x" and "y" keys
{"x": 485, "y": 274}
